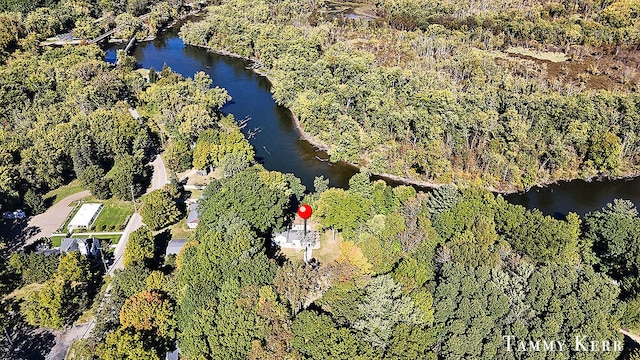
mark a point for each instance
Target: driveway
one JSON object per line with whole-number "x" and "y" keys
{"x": 49, "y": 221}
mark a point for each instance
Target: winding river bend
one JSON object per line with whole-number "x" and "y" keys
{"x": 278, "y": 145}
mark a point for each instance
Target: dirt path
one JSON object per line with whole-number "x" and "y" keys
{"x": 49, "y": 221}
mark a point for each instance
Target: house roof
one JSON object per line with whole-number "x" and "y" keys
{"x": 69, "y": 244}
{"x": 175, "y": 246}
{"x": 193, "y": 216}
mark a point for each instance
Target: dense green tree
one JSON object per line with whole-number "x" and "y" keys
{"x": 255, "y": 195}
{"x": 382, "y": 309}
{"x": 614, "y": 231}
{"x": 74, "y": 268}
{"x": 297, "y": 283}
{"x": 35, "y": 202}
{"x": 443, "y": 198}
{"x": 220, "y": 278}
{"x": 318, "y": 337}
{"x": 337, "y": 208}
{"x": 320, "y": 184}
{"x": 93, "y": 178}
{"x": 127, "y": 173}
{"x": 140, "y": 247}
{"x": 159, "y": 209}
{"x": 126, "y": 344}
{"x": 34, "y": 268}
{"x": 178, "y": 155}
{"x": 149, "y": 310}
{"x": 49, "y": 306}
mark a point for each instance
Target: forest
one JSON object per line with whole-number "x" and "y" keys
{"x": 430, "y": 91}
{"x": 503, "y": 95}
{"x": 446, "y": 274}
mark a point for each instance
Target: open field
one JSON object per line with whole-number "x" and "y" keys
{"x": 54, "y": 196}
{"x": 113, "y": 215}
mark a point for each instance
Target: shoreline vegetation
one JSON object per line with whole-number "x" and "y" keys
{"x": 404, "y": 105}
{"x": 308, "y": 137}
{"x": 404, "y": 180}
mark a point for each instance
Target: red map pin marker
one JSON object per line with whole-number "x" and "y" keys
{"x": 305, "y": 211}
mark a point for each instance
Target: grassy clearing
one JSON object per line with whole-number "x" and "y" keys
{"x": 113, "y": 216}
{"x": 62, "y": 192}
{"x": 329, "y": 249}
{"x": 540, "y": 55}
{"x": 114, "y": 239}
{"x": 24, "y": 291}
{"x": 195, "y": 194}
{"x": 180, "y": 230}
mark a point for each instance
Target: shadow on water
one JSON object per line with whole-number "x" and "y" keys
{"x": 278, "y": 145}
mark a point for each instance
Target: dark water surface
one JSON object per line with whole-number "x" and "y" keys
{"x": 278, "y": 145}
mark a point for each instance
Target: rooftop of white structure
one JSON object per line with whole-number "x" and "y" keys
{"x": 85, "y": 216}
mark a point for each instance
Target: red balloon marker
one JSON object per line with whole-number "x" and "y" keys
{"x": 305, "y": 211}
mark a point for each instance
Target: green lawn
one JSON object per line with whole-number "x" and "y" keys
{"x": 56, "y": 240}
{"x": 113, "y": 216}
{"x": 63, "y": 191}
{"x": 180, "y": 230}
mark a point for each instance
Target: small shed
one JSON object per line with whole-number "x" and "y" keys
{"x": 85, "y": 217}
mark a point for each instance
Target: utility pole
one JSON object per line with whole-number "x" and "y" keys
{"x": 133, "y": 198}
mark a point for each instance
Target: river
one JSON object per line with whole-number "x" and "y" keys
{"x": 278, "y": 145}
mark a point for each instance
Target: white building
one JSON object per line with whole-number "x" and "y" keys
{"x": 294, "y": 238}
{"x": 85, "y": 217}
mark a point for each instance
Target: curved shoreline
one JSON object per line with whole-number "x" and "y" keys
{"x": 305, "y": 135}
{"x": 396, "y": 178}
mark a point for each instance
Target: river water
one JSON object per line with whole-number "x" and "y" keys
{"x": 278, "y": 145}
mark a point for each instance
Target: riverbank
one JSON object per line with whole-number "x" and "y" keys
{"x": 508, "y": 189}
{"x": 318, "y": 144}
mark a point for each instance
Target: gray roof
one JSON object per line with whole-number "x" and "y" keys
{"x": 175, "y": 246}
{"x": 173, "y": 355}
{"x": 193, "y": 213}
{"x": 68, "y": 245}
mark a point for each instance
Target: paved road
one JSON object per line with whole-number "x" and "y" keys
{"x": 66, "y": 338}
{"x": 49, "y": 221}
{"x": 135, "y": 222}
{"x": 159, "y": 178}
